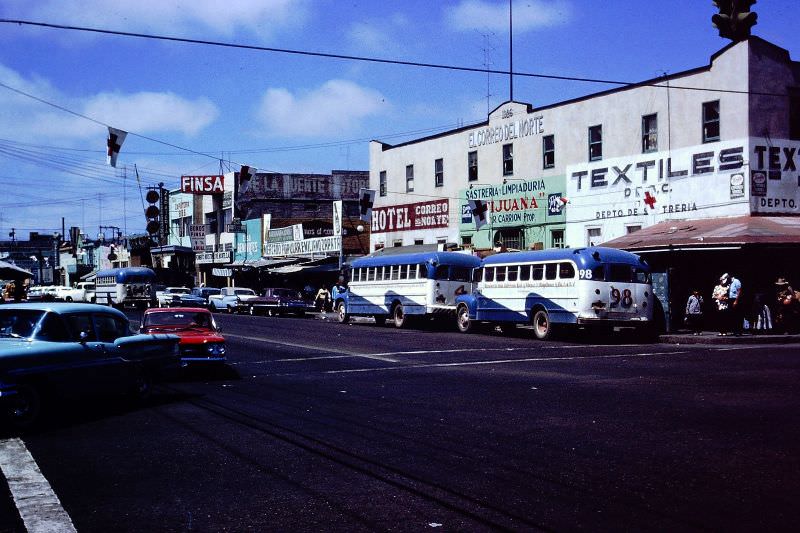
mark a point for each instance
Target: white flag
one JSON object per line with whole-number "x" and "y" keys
{"x": 478, "y": 208}
{"x": 245, "y": 175}
{"x": 114, "y": 143}
{"x": 366, "y": 199}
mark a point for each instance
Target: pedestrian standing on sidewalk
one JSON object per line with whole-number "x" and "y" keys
{"x": 694, "y": 312}
{"x": 322, "y": 301}
{"x": 736, "y": 303}
{"x": 720, "y": 297}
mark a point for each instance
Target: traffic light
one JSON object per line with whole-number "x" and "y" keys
{"x": 734, "y": 20}
{"x": 153, "y": 212}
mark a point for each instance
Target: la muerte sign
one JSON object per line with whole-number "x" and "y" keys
{"x": 423, "y": 215}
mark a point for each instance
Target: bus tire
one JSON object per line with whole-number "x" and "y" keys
{"x": 341, "y": 313}
{"x": 542, "y": 327}
{"x": 380, "y": 320}
{"x": 399, "y": 316}
{"x": 463, "y": 321}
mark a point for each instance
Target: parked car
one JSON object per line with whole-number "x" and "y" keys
{"x": 50, "y": 351}
{"x": 200, "y": 338}
{"x": 35, "y": 293}
{"x": 231, "y": 299}
{"x": 198, "y": 297}
{"x": 279, "y": 301}
{"x": 81, "y": 292}
{"x": 171, "y": 295}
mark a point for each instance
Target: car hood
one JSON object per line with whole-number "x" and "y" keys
{"x": 192, "y": 336}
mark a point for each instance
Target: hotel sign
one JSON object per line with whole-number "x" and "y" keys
{"x": 423, "y": 215}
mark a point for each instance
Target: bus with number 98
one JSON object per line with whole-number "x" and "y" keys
{"x": 559, "y": 288}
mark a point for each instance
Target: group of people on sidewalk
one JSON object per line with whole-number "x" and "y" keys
{"x": 779, "y": 313}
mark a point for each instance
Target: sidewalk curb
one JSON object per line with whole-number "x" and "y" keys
{"x": 708, "y": 337}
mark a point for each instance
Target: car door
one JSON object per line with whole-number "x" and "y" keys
{"x": 96, "y": 369}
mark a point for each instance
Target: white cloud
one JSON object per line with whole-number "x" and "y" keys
{"x": 261, "y": 18}
{"x": 377, "y": 37}
{"x": 528, "y": 15}
{"x": 25, "y": 119}
{"x": 337, "y": 106}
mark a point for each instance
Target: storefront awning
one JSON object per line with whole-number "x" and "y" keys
{"x": 712, "y": 233}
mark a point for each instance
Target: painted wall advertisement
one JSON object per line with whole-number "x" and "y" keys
{"x": 517, "y": 203}
{"x": 775, "y": 176}
{"x": 418, "y": 216}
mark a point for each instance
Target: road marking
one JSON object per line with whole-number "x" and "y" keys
{"x": 313, "y": 347}
{"x": 502, "y": 362}
{"x": 38, "y": 505}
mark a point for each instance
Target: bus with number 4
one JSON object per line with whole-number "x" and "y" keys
{"x": 560, "y": 288}
{"x": 405, "y": 286}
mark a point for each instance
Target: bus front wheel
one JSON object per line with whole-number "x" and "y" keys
{"x": 341, "y": 313}
{"x": 399, "y": 316}
{"x": 542, "y": 327}
{"x": 464, "y": 323}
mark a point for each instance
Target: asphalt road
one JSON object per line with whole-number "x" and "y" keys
{"x": 321, "y": 426}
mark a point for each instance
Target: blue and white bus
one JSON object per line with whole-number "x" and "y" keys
{"x": 562, "y": 287}
{"x": 125, "y": 286}
{"x": 404, "y": 285}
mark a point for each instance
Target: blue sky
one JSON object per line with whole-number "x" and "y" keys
{"x": 291, "y": 113}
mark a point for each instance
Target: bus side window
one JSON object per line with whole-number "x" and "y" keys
{"x": 566, "y": 271}
{"x": 500, "y": 274}
{"x": 537, "y": 272}
{"x": 477, "y": 275}
{"x": 442, "y": 272}
{"x": 599, "y": 273}
{"x": 489, "y": 274}
{"x": 551, "y": 270}
{"x": 513, "y": 273}
{"x": 403, "y": 271}
{"x": 422, "y": 271}
{"x": 525, "y": 272}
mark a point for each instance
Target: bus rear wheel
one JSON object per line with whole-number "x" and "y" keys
{"x": 542, "y": 327}
{"x": 464, "y": 323}
{"x": 399, "y": 316}
{"x": 341, "y": 313}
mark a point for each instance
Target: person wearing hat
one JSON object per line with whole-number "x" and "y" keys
{"x": 787, "y": 307}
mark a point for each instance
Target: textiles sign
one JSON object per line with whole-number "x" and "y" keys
{"x": 423, "y": 215}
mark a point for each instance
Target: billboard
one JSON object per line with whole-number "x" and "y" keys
{"x": 203, "y": 184}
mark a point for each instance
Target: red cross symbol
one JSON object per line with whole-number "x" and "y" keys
{"x": 113, "y": 147}
{"x": 650, "y": 200}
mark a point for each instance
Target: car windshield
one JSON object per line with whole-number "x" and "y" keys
{"x": 178, "y": 319}
{"x": 19, "y": 322}
{"x": 287, "y": 293}
{"x": 244, "y": 291}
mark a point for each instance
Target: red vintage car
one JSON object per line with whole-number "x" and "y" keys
{"x": 200, "y": 338}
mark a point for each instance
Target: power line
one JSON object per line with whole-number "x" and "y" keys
{"x": 367, "y": 59}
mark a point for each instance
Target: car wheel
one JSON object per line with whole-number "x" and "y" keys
{"x": 341, "y": 313}
{"x": 542, "y": 327}
{"x": 68, "y": 299}
{"x": 399, "y": 316}
{"x": 24, "y": 408}
{"x": 463, "y": 321}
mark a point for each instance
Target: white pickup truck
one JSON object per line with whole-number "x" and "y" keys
{"x": 231, "y": 299}
{"x": 81, "y": 292}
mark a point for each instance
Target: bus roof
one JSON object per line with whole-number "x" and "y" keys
{"x": 584, "y": 257}
{"x": 441, "y": 258}
{"x": 127, "y": 273}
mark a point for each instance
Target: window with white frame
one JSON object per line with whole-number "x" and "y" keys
{"x": 594, "y": 236}
{"x": 409, "y": 178}
{"x": 438, "y": 173}
{"x": 595, "y": 143}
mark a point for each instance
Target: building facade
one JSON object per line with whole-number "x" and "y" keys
{"x": 721, "y": 140}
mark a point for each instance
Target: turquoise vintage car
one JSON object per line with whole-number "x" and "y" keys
{"x": 50, "y": 351}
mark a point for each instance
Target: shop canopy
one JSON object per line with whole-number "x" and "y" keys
{"x": 710, "y": 234}
{"x": 11, "y": 271}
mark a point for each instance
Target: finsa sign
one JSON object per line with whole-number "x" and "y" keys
{"x": 203, "y": 184}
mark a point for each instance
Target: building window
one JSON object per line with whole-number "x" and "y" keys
{"x": 633, "y": 228}
{"x": 794, "y": 113}
{"x": 409, "y": 178}
{"x": 438, "y": 172}
{"x": 557, "y": 238}
{"x": 466, "y": 241}
{"x": 548, "y": 151}
{"x": 595, "y": 143}
{"x": 472, "y": 165}
{"x": 711, "y": 121}
{"x": 593, "y": 236}
{"x": 650, "y": 133}
{"x": 418, "y": 242}
{"x": 397, "y": 243}
{"x": 508, "y": 159}
{"x": 382, "y": 184}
